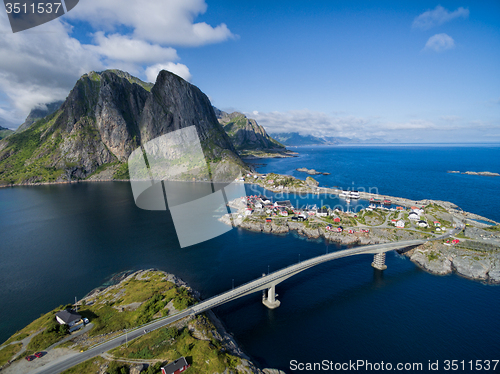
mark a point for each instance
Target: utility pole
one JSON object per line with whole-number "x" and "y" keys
{"x": 76, "y": 306}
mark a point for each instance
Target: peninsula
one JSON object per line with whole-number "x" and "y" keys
{"x": 473, "y": 253}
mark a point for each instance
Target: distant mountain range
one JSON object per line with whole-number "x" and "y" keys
{"x": 295, "y": 139}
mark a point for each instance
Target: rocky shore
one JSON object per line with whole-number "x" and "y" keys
{"x": 438, "y": 258}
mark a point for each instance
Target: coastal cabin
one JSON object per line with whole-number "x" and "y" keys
{"x": 269, "y": 219}
{"x": 400, "y": 208}
{"x": 400, "y": 224}
{"x": 336, "y": 219}
{"x": 176, "y": 367}
{"x": 68, "y": 317}
{"x": 329, "y": 227}
{"x": 71, "y": 318}
{"x": 455, "y": 241}
{"x": 413, "y": 216}
{"x": 437, "y": 223}
{"x": 340, "y": 229}
{"x": 422, "y": 223}
{"x": 301, "y": 218}
{"x": 351, "y": 231}
{"x": 322, "y": 212}
{"x": 394, "y": 221}
{"x": 248, "y": 211}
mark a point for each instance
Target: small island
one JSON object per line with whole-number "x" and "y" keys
{"x": 311, "y": 171}
{"x": 105, "y": 313}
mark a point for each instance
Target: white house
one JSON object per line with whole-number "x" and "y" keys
{"x": 400, "y": 224}
{"x": 322, "y": 212}
{"x": 422, "y": 223}
{"x": 413, "y": 216}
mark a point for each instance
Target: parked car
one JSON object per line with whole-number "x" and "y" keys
{"x": 30, "y": 357}
{"x": 85, "y": 320}
{"x": 39, "y": 354}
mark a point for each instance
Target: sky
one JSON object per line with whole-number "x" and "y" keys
{"x": 404, "y": 71}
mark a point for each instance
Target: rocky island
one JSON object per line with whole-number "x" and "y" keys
{"x": 136, "y": 299}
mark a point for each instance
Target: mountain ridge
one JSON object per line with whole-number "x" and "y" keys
{"x": 104, "y": 118}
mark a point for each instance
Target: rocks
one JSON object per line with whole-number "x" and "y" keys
{"x": 440, "y": 259}
{"x": 311, "y": 171}
{"x": 136, "y": 369}
{"x": 471, "y": 267}
{"x": 310, "y": 181}
{"x": 434, "y": 262}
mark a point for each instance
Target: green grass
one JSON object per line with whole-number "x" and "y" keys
{"x": 171, "y": 343}
{"x": 88, "y": 367}
{"x": 122, "y": 172}
{"x": 7, "y": 352}
{"x": 431, "y": 256}
{"x": 494, "y": 228}
{"x": 52, "y": 334}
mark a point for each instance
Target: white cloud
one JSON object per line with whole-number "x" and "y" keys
{"x": 42, "y": 65}
{"x": 440, "y": 43}
{"x": 179, "y": 69}
{"x": 418, "y": 124}
{"x": 438, "y": 16}
{"x": 308, "y": 122}
{"x": 164, "y": 22}
{"x": 118, "y": 47}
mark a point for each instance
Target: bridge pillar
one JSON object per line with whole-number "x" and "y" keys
{"x": 271, "y": 301}
{"x": 379, "y": 261}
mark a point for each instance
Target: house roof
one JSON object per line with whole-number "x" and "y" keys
{"x": 323, "y": 210}
{"x": 68, "y": 316}
{"x": 176, "y": 365}
{"x": 286, "y": 203}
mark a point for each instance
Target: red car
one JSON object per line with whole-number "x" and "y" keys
{"x": 39, "y": 354}
{"x": 30, "y": 358}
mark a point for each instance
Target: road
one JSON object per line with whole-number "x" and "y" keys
{"x": 258, "y": 284}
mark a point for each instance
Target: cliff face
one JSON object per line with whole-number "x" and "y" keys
{"x": 246, "y": 133}
{"x": 104, "y": 118}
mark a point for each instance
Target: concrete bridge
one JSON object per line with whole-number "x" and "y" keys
{"x": 269, "y": 282}
{"x": 266, "y": 282}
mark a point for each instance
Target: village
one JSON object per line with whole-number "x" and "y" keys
{"x": 379, "y": 222}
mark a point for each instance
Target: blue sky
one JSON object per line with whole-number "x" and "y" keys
{"x": 409, "y": 71}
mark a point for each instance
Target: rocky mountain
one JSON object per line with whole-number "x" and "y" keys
{"x": 105, "y": 117}
{"x": 295, "y": 139}
{"x": 4, "y": 132}
{"x": 38, "y": 113}
{"x": 246, "y": 133}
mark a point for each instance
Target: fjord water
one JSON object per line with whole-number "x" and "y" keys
{"x": 61, "y": 241}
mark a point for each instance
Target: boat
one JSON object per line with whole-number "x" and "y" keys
{"x": 354, "y": 195}
{"x": 344, "y": 194}
{"x": 387, "y": 202}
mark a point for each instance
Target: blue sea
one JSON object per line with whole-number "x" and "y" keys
{"x": 61, "y": 241}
